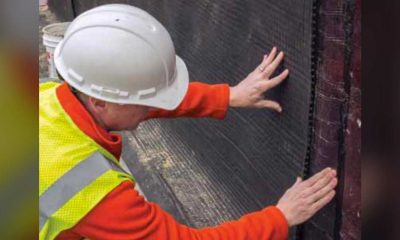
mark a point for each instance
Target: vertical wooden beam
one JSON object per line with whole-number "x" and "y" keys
{"x": 350, "y": 227}
{"x": 337, "y": 120}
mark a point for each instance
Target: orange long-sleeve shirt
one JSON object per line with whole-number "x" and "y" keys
{"x": 124, "y": 214}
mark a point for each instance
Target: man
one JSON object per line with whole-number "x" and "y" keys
{"x": 120, "y": 68}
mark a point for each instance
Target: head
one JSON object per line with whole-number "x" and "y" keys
{"x": 148, "y": 73}
{"x": 113, "y": 116}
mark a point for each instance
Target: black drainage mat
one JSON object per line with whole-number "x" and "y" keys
{"x": 206, "y": 171}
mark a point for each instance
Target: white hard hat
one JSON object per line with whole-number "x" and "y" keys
{"x": 121, "y": 54}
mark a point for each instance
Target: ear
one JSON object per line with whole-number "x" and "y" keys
{"x": 97, "y": 105}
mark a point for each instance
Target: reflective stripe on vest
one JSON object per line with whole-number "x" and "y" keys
{"x": 75, "y": 172}
{"x": 73, "y": 182}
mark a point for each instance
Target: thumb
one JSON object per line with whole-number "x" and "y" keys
{"x": 298, "y": 180}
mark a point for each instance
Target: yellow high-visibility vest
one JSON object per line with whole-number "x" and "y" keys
{"x": 75, "y": 173}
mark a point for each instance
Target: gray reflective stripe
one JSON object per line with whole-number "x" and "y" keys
{"x": 73, "y": 182}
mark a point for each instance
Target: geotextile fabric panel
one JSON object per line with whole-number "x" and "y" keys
{"x": 206, "y": 171}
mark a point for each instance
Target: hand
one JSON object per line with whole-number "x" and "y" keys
{"x": 249, "y": 92}
{"x": 301, "y": 201}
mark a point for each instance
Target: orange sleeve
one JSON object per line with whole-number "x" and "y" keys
{"x": 201, "y": 100}
{"x": 124, "y": 214}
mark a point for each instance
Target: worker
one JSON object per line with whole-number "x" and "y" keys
{"x": 120, "y": 68}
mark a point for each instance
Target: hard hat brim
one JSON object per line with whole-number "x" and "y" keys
{"x": 170, "y": 98}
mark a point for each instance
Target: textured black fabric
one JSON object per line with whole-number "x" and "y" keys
{"x": 218, "y": 170}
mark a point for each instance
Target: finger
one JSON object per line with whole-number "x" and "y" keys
{"x": 323, "y": 201}
{"x": 273, "y": 65}
{"x": 268, "y": 59}
{"x": 275, "y": 81}
{"x": 316, "y": 177}
{"x": 269, "y": 104}
{"x": 322, "y": 182}
{"x": 298, "y": 180}
{"x": 322, "y": 192}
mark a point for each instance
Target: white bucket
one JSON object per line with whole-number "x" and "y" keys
{"x": 52, "y": 35}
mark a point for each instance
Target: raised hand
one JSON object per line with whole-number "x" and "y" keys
{"x": 249, "y": 92}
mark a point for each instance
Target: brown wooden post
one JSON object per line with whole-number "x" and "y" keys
{"x": 337, "y": 117}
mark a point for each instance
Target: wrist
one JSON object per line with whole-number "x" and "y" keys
{"x": 285, "y": 215}
{"x": 233, "y": 100}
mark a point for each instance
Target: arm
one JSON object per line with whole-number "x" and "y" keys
{"x": 123, "y": 214}
{"x": 201, "y": 100}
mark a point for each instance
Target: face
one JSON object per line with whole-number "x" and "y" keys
{"x": 117, "y": 117}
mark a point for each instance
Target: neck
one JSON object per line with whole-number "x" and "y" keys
{"x": 85, "y": 102}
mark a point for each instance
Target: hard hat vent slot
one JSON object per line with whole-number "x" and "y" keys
{"x": 74, "y": 76}
{"x": 109, "y": 92}
{"x": 151, "y": 92}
